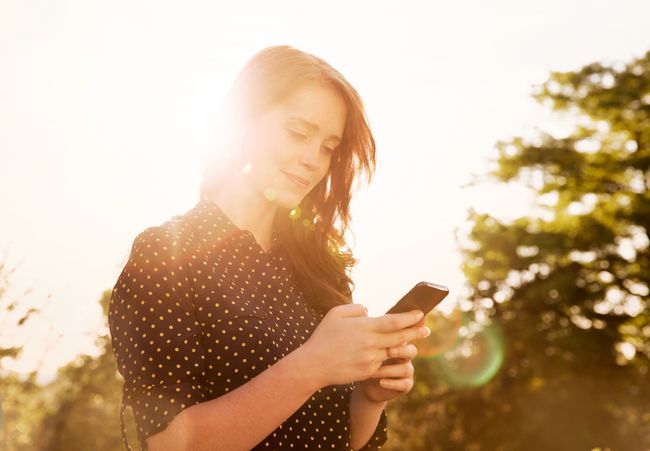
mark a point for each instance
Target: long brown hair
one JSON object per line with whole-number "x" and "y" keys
{"x": 314, "y": 233}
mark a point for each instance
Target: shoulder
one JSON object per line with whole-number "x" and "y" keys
{"x": 156, "y": 271}
{"x": 160, "y": 257}
{"x": 171, "y": 240}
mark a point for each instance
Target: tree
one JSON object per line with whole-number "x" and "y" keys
{"x": 79, "y": 410}
{"x": 86, "y": 399}
{"x": 568, "y": 290}
{"x": 21, "y": 403}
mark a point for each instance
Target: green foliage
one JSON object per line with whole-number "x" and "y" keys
{"x": 79, "y": 410}
{"x": 568, "y": 289}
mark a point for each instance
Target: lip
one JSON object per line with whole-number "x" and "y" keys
{"x": 299, "y": 180}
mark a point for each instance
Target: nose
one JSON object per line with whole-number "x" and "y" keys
{"x": 310, "y": 157}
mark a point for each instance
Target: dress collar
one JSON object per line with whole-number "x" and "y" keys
{"x": 214, "y": 227}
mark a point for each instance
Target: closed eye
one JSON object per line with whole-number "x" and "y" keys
{"x": 297, "y": 135}
{"x": 302, "y": 137}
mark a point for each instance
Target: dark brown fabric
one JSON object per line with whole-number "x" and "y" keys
{"x": 198, "y": 310}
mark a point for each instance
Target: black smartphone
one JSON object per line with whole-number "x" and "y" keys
{"x": 423, "y": 296}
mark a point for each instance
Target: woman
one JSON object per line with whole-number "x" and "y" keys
{"x": 233, "y": 324}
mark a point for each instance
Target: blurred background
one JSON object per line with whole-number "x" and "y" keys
{"x": 513, "y": 156}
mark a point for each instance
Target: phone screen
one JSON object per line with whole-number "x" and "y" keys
{"x": 423, "y": 296}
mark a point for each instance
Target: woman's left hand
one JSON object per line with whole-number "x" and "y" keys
{"x": 397, "y": 372}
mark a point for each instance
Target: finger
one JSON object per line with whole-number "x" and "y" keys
{"x": 398, "y": 370}
{"x": 382, "y": 355}
{"x": 403, "y": 385}
{"x": 393, "y": 339}
{"x": 390, "y": 322}
{"x": 404, "y": 351}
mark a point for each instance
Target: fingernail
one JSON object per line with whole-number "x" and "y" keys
{"x": 426, "y": 332}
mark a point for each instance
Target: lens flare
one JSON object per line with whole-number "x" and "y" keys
{"x": 270, "y": 194}
{"x": 474, "y": 360}
{"x": 445, "y": 328}
{"x": 295, "y": 213}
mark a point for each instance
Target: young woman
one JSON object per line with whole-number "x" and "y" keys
{"x": 233, "y": 324}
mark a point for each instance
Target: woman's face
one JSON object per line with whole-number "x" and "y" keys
{"x": 290, "y": 146}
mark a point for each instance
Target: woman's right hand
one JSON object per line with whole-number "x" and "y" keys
{"x": 349, "y": 346}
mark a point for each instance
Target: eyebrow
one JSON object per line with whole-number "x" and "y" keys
{"x": 313, "y": 126}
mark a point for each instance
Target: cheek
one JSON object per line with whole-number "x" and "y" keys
{"x": 278, "y": 144}
{"x": 273, "y": 155}
{"x": 327, "y": 166}
{"x": 270, "y": 149}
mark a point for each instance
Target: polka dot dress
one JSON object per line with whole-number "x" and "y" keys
{"x": 200, "y": 309}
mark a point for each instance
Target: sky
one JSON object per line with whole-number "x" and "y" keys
{"x": 106, "y": 109}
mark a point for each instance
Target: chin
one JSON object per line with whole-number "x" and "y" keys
{"x": 288, "y": 202}
{"x": 289, "y": 199}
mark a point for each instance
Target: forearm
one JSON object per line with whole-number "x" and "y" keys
{"x": 243, "y": 417}
{"x": 364, "y": 417}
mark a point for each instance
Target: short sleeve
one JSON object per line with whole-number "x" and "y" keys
{"x": 155, "y": 336}
{"x": 380, "y": 435}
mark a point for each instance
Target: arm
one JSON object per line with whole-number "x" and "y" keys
{"x": 158, "y": 346}
{"x": 367, "y": 421}
{"x": 243, "y": 417}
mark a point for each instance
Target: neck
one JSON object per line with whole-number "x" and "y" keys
{"x": 246, "y": 207}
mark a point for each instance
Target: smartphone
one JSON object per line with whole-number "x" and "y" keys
{"x": 423, "y": 296}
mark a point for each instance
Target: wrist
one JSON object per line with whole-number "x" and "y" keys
{"x": 361, "y": 394}
{"x": 303, "y": 365}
